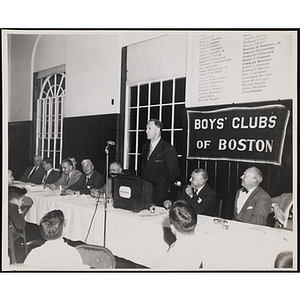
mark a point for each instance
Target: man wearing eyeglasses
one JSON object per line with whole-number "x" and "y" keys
{"x": 252, "y": 203}
{"x": 200, "y": 194}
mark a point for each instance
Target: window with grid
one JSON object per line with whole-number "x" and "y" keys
{"x": 49, "y": 121}
{"x": 163, "y": 100}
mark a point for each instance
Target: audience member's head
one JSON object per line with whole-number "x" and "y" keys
{"x": 251, "y": 178}
{"x": 198, "y": 178}
{"x": 67, "y": 166}
{"x": 16, "y": 195}
{"x": 10, "y": 177}
{"x": 52, "y": 224}
{"x": 37, "y": 160}
{"x": 87, "y": 166}
{"x": 73, "y": 160}
{"x": 183, "y": 217}
{"x": 284, "y": 260}
{"x": 115, "y": 167}
{"x": 47, "y": 163}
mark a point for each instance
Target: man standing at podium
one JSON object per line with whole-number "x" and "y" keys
{"x": 159, "y": 162}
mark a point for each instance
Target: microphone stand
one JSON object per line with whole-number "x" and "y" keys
{"x": 105, "y": 202}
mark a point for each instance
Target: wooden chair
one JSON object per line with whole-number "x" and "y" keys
{"x": 13, "y": 235}
{"x": 97, "y": 257}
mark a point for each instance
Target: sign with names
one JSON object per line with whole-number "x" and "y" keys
{"x": 231, "y": 67}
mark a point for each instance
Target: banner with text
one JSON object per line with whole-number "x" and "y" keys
{"x": 249, "y": 134}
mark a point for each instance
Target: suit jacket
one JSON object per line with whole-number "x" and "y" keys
{"x": 256, "y": 209}
{"x": 75, "y": 175}
{"x": 162, "y": 169}
{"x": 52, "y": 177}
{"x": 36, "y": 177}
{"x": 94, "y": 182}
{"x": 204, "y": 202}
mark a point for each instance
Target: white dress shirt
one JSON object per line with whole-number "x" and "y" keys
{"x": 243, "y": 197}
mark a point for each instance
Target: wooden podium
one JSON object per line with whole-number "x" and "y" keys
{"x": 132, "y": 193}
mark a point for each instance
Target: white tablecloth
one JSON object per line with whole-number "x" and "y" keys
{"x": 139, "y": 236}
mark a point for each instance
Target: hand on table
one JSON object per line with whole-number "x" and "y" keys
{"x": 167, "y": 204}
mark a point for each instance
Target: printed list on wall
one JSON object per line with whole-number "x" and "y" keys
{"x": 231, "y": 67}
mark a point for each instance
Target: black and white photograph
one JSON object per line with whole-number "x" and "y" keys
{"x": 149, "y": 150}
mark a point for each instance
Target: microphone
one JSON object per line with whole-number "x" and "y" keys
{"x": 110, "y": 143}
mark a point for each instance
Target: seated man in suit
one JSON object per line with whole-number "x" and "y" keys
{"x": 51, "y": 175}
{"x": 90, "y": 179}
{"x": 35, "y": 173}
{"x": 252, "y": 203}
{"x": 185, "y": 252}
{"x": 69, "y": 176}
{"x": 200, "y": 194}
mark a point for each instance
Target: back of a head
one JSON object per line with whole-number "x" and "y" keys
{"x": 51, "y": 225}
{"x": 183, "y": 216}
{"x": 284, "y": 260}
{"x": 15, "y": 192}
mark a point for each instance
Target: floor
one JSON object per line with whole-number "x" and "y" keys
{"x": 32, "y": 235}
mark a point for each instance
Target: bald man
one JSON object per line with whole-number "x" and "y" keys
{"x": 252, "y": 203}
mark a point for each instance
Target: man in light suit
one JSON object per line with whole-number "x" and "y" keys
{"x": 252, "y": 203}
{"x": 200, "y": 194}
{"x": 34, "y": 173}
{"x": 69, "y": 176}
{"x": 91, "y": 179}
{"x": 51, "y": 175}
{"x": 159, "y": 162}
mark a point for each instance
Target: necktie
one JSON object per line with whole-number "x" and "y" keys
{"x": 32, "y": 172}
{"x": 150, "y": 150}
{"x": 45, "y": 177}
{"x": 68, "y": 179}
{"x": 245, "y": 190}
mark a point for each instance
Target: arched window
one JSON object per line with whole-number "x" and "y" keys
{"x": 49, "y": 117}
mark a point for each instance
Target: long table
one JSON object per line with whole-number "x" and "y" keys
{"x": 139, "y": 237}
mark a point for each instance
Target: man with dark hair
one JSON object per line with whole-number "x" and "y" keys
{"x": 284, "y": 260}
{"x": 18, "y": 206}
{"x": 200, "y": 194}
{"x": 54, "y": 254}
{"x": 159, "y": 162}
{"x": 35, "y": 173}
{"x": 51, "y": 175}
{"x": 90, "y": 179}
{"x": 252, "y": 203}
{"x": 184, "y": 253}
{"x": 69, "y": 176}
{"x": 15, "y": 213}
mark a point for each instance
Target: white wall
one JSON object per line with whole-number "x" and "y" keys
{"x": 93, "y": 69}
{"x": 20, "y": 81}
